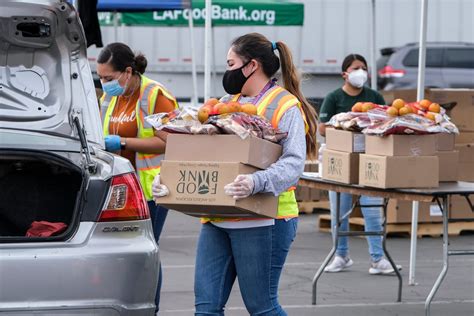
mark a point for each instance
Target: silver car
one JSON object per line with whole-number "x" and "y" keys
{"x": 75, "y": 233}
{"x": 448, "y": 65}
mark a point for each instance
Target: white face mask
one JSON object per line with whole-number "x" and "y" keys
{"x": 357, "y": 78}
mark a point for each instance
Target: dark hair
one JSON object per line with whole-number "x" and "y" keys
{"x": 120, "y": 56}
{"x": 350, "y": 59}
{"x": 258, "y": 47}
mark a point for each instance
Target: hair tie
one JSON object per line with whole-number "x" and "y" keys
{"x": 274, "y": 45}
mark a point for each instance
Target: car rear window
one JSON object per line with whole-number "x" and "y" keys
{"x": 459, "y": 58}
{"x": 434, "y": 58}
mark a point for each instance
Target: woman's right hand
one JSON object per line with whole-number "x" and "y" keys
{"x": 157, "y": 189}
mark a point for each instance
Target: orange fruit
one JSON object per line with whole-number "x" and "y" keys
{"x": 424, "y": 104}
{"x": 367, "y": 106}
{"x": 398, "y": 103}
{"x": 216, "y": 107}
{"x": 392, "y": 111}
{"x": 223, "y": 109}
{"x": 234, "y": 106}
{"x": 405, "y": 110}
{"x": 434, "y": 107}
{"x": 431, "y": 116}
{"x": 211, "y": 102}
{"x": 203, "y": 114}
{"x": 248, "y": 108}
{"x": 357, "y": 107}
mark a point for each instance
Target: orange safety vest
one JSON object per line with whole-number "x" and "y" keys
{"x": 148, "y": 165}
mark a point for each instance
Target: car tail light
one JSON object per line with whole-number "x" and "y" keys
{"x": 390, "y": 72}
{"x": 126, "y": 201}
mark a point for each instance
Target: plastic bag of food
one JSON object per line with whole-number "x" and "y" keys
{"x": 177, "y": 121}
{"x": 206, "y": 129}
{"x": 350, "y": 121}
{"x": 384, "y": 124}
{"x": 243, "y": 125}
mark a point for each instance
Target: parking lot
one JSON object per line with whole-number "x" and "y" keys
{"x": 353, "y": 292}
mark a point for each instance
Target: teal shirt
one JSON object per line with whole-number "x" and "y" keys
{"x": 338, "y": 101}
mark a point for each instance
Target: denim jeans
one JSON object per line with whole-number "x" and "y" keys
{"x": 158, "y": 216}
{"x": 372, "y": 219}
{"x": 254, "y": 255}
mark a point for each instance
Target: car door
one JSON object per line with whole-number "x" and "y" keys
{"x": 458, "y": 70}
{"x": 433, "y": 70}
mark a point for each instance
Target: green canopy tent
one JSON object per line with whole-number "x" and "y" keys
{"x": 222, "y": 13}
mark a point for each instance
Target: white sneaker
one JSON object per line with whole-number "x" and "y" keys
{"x": 338, "y": 264}
{"x": 382, "y": 266}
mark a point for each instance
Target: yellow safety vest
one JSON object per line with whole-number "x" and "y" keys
{"x": 148, "y": 165}
{"x": 273, "y": 104}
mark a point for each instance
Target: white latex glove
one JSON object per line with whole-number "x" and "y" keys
{"x": 157, "y": 189}
{"x": 241, "y": 188}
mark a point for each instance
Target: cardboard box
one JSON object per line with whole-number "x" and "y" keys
{"x": 197, "y": 189}
{"x": 306, "y": 193}
{"x": 466, "y": 162}
{"x": 399, "y": 212}
{"x": 408, "y": 95}
{"x": 253, "y": 151}
{"x": 445, "y": 141}
{"x": 340, "y": 166}
{"x": 466, "y": 152}
{"x": 462, "y": 113}
{"x": 448, "y": 165}
{"x": 460, "y": 209}
{"x": 401, "y": 145}
{"x": 398, "y": 171}
{"x": 465, "y": 138}
{"x": 346, "y": 141}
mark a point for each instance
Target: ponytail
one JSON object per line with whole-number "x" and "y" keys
{"x": 292, "y": 82}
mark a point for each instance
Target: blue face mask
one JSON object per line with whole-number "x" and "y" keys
{"x": 113, "y": 87}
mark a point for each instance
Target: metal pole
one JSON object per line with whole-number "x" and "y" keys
{"x": 115, "y": 26}
{"x": 207, "y": 50}
{"x": 420, "y": 94}
{"x": 422, "y": 51}
{"x": 194, "y": 99}
{"x": 413, "y": 241}
{"x": 444, "y": 271}
{"x": 373, "y": 52}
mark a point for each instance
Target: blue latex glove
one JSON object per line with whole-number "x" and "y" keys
{"x": 112, "y": 143}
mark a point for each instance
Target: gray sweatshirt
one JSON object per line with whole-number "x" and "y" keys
{"x": 286, "y": 171}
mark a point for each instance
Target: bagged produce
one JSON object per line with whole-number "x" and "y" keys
{"x": 243, "y": 125}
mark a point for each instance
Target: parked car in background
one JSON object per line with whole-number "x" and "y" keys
{"x": 75, "y": 233}
{"x": 448, "y": 65}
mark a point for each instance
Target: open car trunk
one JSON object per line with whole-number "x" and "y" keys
{"x": 38, "y": 186}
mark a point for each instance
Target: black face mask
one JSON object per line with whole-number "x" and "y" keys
{"x": 234, "y": 80}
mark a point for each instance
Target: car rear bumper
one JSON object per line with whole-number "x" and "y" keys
{"x": 106, "y": 269}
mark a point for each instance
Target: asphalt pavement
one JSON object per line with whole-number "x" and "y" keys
{"x": 353, "y": 292}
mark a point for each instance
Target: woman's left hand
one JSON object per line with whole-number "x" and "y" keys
{"x": 112, "y": 143}
{"x": 158, "y": 190}
{"x": 241, "y": 188}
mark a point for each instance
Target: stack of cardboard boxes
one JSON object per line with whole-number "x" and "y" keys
{"x": 460, "y": 106}
{"x": 197, "y": 167}
{"x": 340, "y": 159}
{"x": 396, "y": 161}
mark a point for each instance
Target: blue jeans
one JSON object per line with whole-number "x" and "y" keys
{"x": 254, "y": 255}
{"x": 158, "y": 216}
{"x": 372, "y": 219}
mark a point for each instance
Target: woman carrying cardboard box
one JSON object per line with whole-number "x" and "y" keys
{"x": 255, "y": 250}
{"x": 354, "y": 73}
